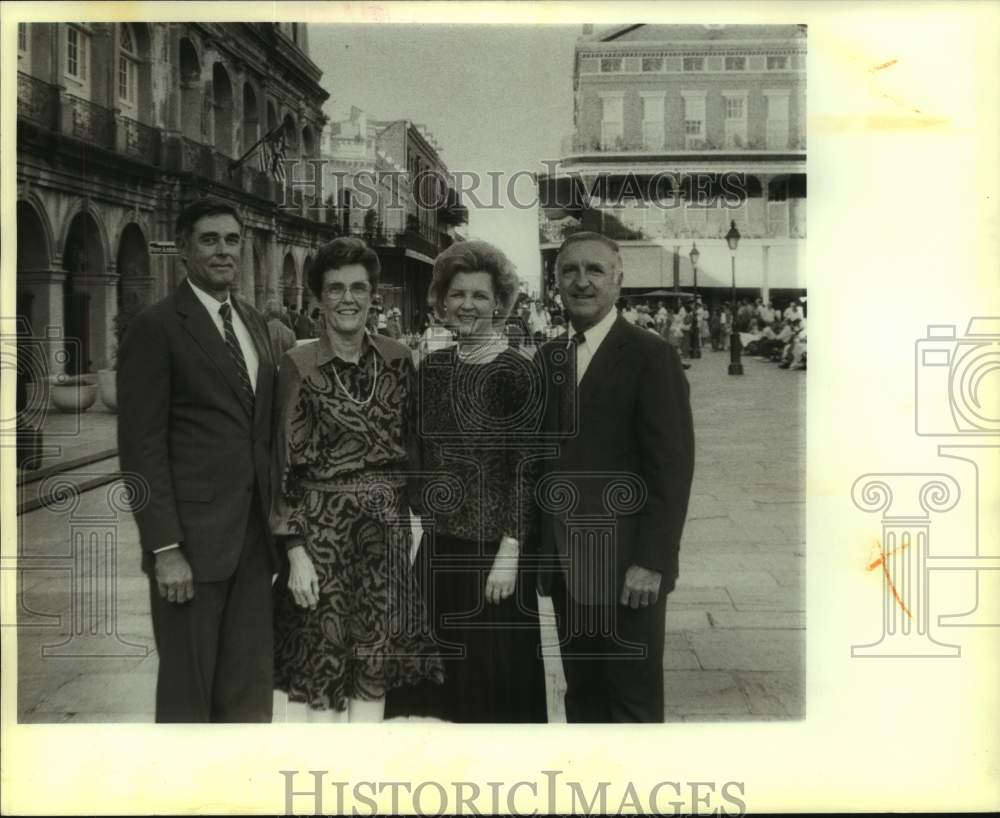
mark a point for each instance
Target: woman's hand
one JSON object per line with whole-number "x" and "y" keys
{"x": 302, "y": 579}
{"x": 503, "y": 574}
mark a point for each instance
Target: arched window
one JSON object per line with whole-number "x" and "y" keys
{"x": 128, "y": 67}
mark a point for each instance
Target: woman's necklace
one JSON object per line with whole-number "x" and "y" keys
{"x": 347, "y": 391}
{"x": 494, "y": 346}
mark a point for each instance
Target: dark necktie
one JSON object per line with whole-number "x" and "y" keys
{"x": 568, "y": 394}
{"x": 236, "y": 353}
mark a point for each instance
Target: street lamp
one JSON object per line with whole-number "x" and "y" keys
{"x": 695, "y": 330}
{"x": 735, "y": 367}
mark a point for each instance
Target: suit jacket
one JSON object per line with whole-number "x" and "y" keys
{"x": 617, "y": 493}
{"x": 282, "y": 338}
{"x": 184, "y": 429}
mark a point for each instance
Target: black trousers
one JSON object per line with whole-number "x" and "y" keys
{"x": 216, "y": 651}
{"x": 612, "y": 657}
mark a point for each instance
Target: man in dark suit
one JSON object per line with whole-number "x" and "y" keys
{"x": 195, "y": 385}
{"x": 615, "y": 498}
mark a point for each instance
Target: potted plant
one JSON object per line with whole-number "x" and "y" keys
{"x": 73, "y": 393}
{"x": 107, "y": 379}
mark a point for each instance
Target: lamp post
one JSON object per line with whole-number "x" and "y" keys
{"x": 735, "y": 367}
{"x": 695, "y": 329}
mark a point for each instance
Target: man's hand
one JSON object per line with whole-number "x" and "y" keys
{"x": 641, "y": 588}
{"x": 302, "y": 579}
{"x": 173, "y": 576}
{"x": 503, "y": 574}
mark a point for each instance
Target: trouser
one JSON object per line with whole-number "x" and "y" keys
{"x": 216, "y": 650}
{"x": 613, "y": 673}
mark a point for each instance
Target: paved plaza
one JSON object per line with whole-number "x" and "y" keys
{"x": 735, "y": 645}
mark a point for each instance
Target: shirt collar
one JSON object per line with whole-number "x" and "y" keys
{"x": 325, "y": 353}
{"x": 594, "y": 336}
{"x": 210, "y": 303}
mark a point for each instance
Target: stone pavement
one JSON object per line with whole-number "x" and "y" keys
{"x": 735, "y": 645}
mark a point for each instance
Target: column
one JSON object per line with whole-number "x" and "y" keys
{"x": 765, "y": 289}
{"x": 591, "y": 545}
{"x": 905, "y": 502}
{"x": 92, "y": 568}
{"x": 48, "y": 321}
{"x": 103, "y": 289}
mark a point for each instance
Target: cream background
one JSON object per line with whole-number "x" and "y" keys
{"x": 903, "y": 232}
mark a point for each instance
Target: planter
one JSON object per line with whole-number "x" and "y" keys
{"x": 107, "y": 388}
{"x": 73, "y": 393}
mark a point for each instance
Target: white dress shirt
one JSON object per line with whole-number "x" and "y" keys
{"x": 242, "y": 333}
{"x": 592, "y": 339}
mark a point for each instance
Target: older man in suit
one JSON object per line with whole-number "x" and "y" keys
{"x": 615, "y": 498}
{"x": 195, "y": 382}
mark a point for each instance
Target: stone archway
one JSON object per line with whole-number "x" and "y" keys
{"x": 135, "y": 284}
{"x": 89, "y": 296}
{"x": 222, "y": 98}
{"x": 191, "y": 91}
{"x": 33, "y": 261}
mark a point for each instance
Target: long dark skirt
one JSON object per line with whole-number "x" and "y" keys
{"x": 491, "y": 652}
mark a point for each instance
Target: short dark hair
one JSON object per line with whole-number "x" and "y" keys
{"x": 474, "y": 257}
{"x": 589, "y": 235}
{"x": 199, "y": 209}
{"x": 339, "y": 253}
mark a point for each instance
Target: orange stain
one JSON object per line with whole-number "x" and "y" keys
{"x": 883, "y": 66}
{"x": 885, "y": 570}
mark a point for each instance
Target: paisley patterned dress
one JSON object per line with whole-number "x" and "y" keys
{"x": 341, "y": 463}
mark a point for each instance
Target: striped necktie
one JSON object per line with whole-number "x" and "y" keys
{"x": 236, "y": 353}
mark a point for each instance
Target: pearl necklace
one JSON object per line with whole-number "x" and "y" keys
{"x": 496, "y": 345}
{"x": 347, "y": 392}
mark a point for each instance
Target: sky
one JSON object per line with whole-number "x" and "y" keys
{"x": 496, "y": 98}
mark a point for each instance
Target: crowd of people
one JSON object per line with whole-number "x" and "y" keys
{"x": 278, "y": 492}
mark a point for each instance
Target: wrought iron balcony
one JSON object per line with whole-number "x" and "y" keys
{"x": 37, "y": 101}
{"x": 89, "y": 121}
{"x": 138, "y": 140}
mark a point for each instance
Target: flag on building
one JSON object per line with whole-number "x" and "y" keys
{"x": 272, "y": 155}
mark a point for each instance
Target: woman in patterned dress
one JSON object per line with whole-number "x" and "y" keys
{"x": 349, "y": 621}
{"x": 477, "y": 409}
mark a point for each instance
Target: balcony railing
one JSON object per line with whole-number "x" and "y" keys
{"x": 50, "y": 107}
{"x": 756, "y": 218}
{"x": 37, "y": 101}
{"x": 196, "y": 158}
{"x": 91, "y": 122}
{"x": 137, "y": 139}
{"x": 737, "y": 144}
{"x": 420, "y": 238}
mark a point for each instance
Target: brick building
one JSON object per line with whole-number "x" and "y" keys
{"x": 121, "y": 124}
{"x": 678, "y": 131}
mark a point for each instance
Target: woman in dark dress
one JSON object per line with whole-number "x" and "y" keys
{"x": 476, "y": 412}
{"x": 349, "y": 621}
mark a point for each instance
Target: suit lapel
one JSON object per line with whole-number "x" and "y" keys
{"x": 205, "y": 334}
{"x": 611, "y": 350}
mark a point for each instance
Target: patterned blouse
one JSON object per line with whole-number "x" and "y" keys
{"x": 473, "y": 423}
{"x": 316, "y": 445}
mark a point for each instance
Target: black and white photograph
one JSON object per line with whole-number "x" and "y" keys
{"x": 421, "y": 373}
{"x": 503, "y": 471}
